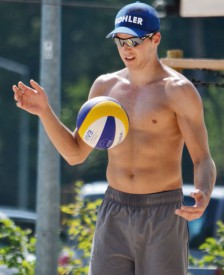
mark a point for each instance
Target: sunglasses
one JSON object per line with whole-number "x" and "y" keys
{"x": 132, "y": 41}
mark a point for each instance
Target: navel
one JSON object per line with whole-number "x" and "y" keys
{"x": 154, "y": 121}
{"x": 132, "y": 175}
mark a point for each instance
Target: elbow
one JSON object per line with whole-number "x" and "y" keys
{"x": 77, "y": 155}
{"x": 72, "y": 161}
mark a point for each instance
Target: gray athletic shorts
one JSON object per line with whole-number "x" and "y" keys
{"x": 140, "y": 235}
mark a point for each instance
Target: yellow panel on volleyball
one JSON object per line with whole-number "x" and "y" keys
{"x": 104, "y": 109}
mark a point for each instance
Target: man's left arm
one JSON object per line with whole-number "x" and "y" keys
{"x": 188, "y": 107}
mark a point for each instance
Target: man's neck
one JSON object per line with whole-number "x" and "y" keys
{"x": 142, "y": 76}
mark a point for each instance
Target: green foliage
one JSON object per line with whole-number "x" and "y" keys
{"x": 213, "y": 249}
{"x": 80, "y": 222}
{"x": 15, "y": 247}
{"x": 74, "y": 96}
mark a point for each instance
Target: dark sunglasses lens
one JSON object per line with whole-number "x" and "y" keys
{"x": 130, "y": 42}
{"x": 136, "y": 41}
{"x": 119, "y": 42}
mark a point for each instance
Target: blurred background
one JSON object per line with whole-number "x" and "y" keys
{"x": 86, "y": 54}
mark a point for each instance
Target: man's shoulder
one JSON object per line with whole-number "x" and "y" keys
{"x": 178, "y": 84}
{"x": 113, "y": 76}
{"x": 175, "y": 79}
{"x": 181, "y": 92}
{"x": 104, "y": 82}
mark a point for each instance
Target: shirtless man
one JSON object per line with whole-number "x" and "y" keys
{"x": 142, "y": 223}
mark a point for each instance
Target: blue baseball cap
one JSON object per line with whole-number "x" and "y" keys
{"x": 137, "y": 19}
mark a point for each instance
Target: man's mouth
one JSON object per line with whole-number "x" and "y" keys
{"x": 129, "y": 58}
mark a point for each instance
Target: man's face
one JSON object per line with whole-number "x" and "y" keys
{"x": 135, "y": 51}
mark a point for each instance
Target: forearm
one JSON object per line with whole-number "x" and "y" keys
{"x": 205, "y": 176}
{"x": 62, "y": 138}
{"x": 204, "y": 181}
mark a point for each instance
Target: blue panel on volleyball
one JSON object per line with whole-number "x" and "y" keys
{"x": 108, "y": 134}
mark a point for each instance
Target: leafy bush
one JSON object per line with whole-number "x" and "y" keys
{"x": 80, "y": 223}
{"x": 80, "y": 218}
{"x": 214, "y": 251}
{"x": 16, "y": 247}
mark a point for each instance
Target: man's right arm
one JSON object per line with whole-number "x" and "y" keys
{"x": 34, "y": 100}
{"x": 68, "y": 143}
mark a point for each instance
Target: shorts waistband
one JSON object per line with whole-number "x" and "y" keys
{"x": 166, "y": 197}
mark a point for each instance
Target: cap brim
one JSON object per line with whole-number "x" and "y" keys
{"x": 134, "y": 32}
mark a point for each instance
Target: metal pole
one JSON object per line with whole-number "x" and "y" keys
{"x": 48, "y": 181}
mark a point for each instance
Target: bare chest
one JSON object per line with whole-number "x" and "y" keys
{"x": 148, "y": 108}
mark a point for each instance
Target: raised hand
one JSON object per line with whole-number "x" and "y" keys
{"x": 31, "y": 99}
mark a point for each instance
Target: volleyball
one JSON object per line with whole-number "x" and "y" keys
{"x": 102, "y": 122}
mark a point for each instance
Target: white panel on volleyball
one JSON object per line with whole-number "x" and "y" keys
{"x": 93, "y": 133}
{"x": 119, "y": 133}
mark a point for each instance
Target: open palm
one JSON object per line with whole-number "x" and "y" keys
{"x": 31, "y": 99}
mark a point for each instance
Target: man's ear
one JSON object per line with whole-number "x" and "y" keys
{"x": 156, "y": 38}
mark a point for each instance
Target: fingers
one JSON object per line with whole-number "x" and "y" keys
{"x": 191, "y": 215}
{"x": 193, "y": 212}
{"x": 197, "y": 194}
{"x": 26, "y": 89}
{"x": 34, "y": 89}
{"x": 22, "y": 90}
{"x": 36, "y": 86}
{"x": 18, "y": 95}
{"x": 190, "y": 212}
{"x": 32, "y": 99}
